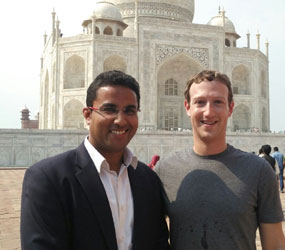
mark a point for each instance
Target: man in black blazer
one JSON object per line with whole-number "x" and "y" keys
{"x": 97, "y": 196}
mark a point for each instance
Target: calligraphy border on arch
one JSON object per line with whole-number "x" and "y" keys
{"x": 164, "y": 51}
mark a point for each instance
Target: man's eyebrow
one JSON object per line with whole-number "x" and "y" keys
{"x": 131, "y": 106}
{"x": 115, "y": 106}
{"x": 109, "y": 104}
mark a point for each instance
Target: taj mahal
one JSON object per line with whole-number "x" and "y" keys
{"x": 156, "y": 42}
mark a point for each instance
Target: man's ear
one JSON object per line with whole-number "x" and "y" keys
{"x": 231, "y": 109}
{"x": 87, "y": 115}
{"x": 187, "y": 107}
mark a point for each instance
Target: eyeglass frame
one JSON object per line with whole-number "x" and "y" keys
{"x": 114, "y": 114}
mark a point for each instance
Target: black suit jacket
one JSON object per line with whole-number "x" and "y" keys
{"x": 64, "y": 206}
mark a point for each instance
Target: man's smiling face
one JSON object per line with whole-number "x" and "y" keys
{"x": 112, "y": 134}
{"x": 209, "y": 111}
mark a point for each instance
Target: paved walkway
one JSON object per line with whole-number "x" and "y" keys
{"x": 10, "y": 199}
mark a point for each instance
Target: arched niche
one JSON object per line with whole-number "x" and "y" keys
{"x": 108, "y": 31}
{"x": 114, "y": 62}
{"x": 263, "y": 88}
{"x": 74, "y": 73}
{"x": 241, "y": 118}
{"x": 175, "y": 72}
{"x": 227, "y": 42}
{"x": 72, "y": 115}
{"x": 241, "y": 80}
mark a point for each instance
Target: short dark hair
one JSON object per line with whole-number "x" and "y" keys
{"x": 209, "y": 75}
{"x": 275, "y": 149}
{"x": 112, "y": 78}
{"x": 266, "y": 149}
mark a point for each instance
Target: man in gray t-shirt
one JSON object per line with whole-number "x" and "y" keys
{"x": 218, "y": 195}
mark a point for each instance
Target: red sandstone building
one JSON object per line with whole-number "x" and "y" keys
{"x": 26, "y": 122}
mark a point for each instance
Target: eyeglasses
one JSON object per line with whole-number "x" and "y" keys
{"x": 113, "y": 111}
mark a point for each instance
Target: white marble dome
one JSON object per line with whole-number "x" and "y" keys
{"x": 107, "y": 10}
{"x": 218, "y": 21}
{"x": 180, "y": 10}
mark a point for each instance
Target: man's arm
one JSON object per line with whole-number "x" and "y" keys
{"x": 272, "y": 236}
{"x": 42, "y": 219}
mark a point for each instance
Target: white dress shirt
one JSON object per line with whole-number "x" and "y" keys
{"x": 119, "y": 193}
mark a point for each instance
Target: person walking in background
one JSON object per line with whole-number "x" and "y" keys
{"x": 260, "y": 152}
{"x": 279, "y": 159}
{"x": 153, "y": 162}
{"x": 266, "y": 149}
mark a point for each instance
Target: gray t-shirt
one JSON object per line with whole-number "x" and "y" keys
{"x": 217, "y": 202}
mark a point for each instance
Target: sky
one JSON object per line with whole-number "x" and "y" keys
{"x": 23, "y": 24}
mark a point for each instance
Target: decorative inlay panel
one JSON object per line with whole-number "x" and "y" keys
{"x": 164, "y": 51}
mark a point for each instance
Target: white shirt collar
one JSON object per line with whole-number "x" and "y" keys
{"x": 99, "y": 160}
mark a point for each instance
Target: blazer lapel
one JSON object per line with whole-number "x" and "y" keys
{"x": 138, "y": 198}
{"x": 91, "y": 183}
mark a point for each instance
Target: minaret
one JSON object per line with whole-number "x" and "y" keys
{"x": 248, "y": 39}
{"x": 267, "y": 48}
{"x": 53, "y": 27}
{"x": 258, "y": 40}
{"x": 57, "y": 29}
{"x": 45, "y": 38}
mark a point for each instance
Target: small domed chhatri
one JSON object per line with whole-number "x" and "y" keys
{"x": 108, "y": 20}
{"x": 106, "y": 10}
{"x": 223, "y": 21}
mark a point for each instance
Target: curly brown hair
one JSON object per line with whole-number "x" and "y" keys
{"x": 209, "y": 75}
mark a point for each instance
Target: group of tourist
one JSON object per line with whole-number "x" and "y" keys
{"x": 276, "y": 160}
{"x": 99, "y": 196}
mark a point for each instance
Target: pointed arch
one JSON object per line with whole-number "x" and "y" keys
{"x": 263, "y": 88}
{"x": 74, "y": 73}
{"x": 227, "y": 42}
{"x": 241, "y": 80}
{"x": 241, "y": 117}
{"x": 119, "y": 32}
{"x": 172, "y": 77}
{"x": 72, "y": 115}
{"x": 114, "y": 62}
{"x": 108, "y": 31}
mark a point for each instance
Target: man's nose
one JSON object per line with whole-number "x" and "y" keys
{"x": 208, "y": 109}
{"x": 120, "y": 117}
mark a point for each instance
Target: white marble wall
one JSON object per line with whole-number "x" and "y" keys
{"x": 22, "y": 148}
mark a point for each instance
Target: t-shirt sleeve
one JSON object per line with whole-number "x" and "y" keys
{"x": 269, "y": 209}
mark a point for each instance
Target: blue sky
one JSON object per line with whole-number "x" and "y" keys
{"x": 23, "y": 24}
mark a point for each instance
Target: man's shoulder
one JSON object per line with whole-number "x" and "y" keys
{"x": 56, "y": 162}
{"x": 143, "y": 169}
{"x": 182, "y": 155}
